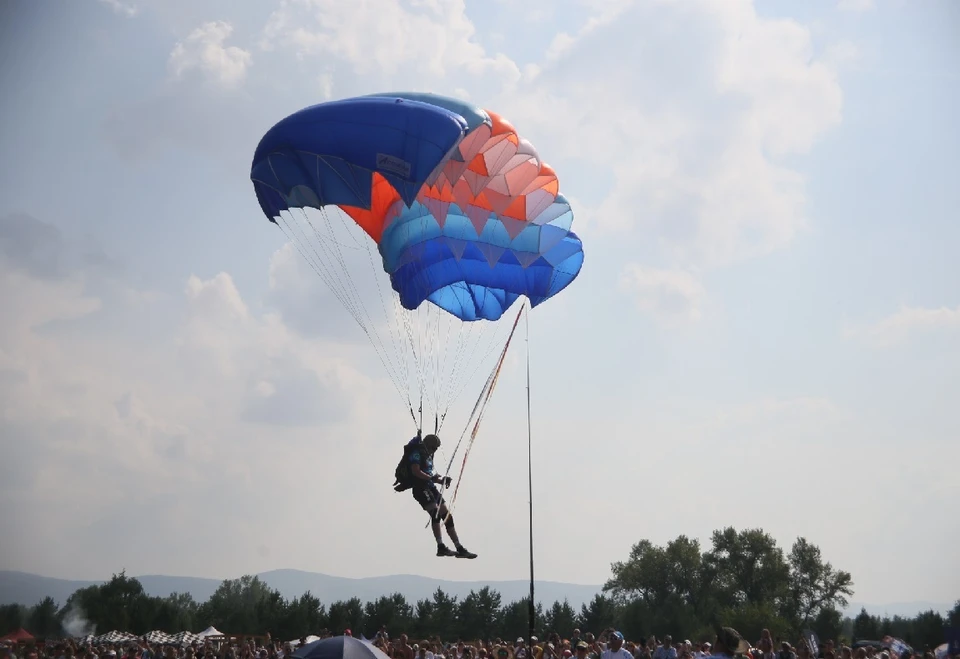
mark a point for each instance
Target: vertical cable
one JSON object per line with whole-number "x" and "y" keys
{"x": 533, "y": 608}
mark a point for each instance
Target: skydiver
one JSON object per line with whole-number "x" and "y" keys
{"x": 423, "y": 485}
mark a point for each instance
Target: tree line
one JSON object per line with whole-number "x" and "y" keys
{"x": 744, "y": 580}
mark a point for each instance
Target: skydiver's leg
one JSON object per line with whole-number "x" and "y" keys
{"x": 445, "y": 515}
{"x": 447, "y": 518}
{"x": 429, "y": 499}
{"x": 436, "y": 527}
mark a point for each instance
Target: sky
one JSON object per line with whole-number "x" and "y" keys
{"x": 765, "y": 332}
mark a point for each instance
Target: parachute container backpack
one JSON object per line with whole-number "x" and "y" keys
{"x": 404, "y": 479}
{"x": 427, "y": 218}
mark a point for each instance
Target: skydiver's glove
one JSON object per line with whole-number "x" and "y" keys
{"x": 447, "y": 481}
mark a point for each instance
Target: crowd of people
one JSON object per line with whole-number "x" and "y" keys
{"x": 610, "y": 644}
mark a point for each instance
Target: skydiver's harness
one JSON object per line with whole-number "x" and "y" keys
{"x": 404, "y": 478}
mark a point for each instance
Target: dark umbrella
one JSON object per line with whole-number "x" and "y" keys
{"x": 339, "y": 647}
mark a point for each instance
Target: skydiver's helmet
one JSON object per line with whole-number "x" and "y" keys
{"x": 432, "y": 442}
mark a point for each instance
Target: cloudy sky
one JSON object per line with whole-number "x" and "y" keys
{"x": 766, "y": 331}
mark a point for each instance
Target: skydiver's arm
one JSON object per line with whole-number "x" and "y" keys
{"x": 419, "y": 473}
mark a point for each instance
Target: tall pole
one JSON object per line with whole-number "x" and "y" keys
{"x": 532, "y": 608}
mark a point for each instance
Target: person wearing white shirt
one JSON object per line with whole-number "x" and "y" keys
{"x": 615, "y": 649}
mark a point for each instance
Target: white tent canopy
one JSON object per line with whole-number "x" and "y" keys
{"x": 210, "y": 632}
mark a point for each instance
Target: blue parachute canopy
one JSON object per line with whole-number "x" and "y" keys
{"x": 327, "y": 153}
{"x": 465, "y": 214}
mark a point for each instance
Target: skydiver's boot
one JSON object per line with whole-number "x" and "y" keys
{"x": 463, "y": 552}
{"x": 443, "y": 550}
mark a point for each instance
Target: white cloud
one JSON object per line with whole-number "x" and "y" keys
{"x": 229, "y": 396}
{"x": 693, "y": 134}
{"x": 694, "y": 130}
{"x": 843, "y": 55}
{"x": 411, "y": 45}
{"x": 907, "y": 322}
{"x": 670, "y": 295}
{"x": 122, "y": 8}
{"x": 325, "y": 81}
{"x": 204, "y": 49}
{"x": 302, "y": 299}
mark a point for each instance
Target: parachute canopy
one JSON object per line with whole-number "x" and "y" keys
{"x": 463, "y": 211}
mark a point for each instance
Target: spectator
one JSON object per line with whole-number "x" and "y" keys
{"x": 729, "y": 643}
{"x": 666, "y": 651}
{"x": 615, "y": 649}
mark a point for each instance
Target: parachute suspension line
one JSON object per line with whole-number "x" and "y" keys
{"x": 370, "y": 328}
{"x": 466, "y": 344}
{"x": 466, "y": 426}
{"x": 322, "y": 241}
{"x": 465, "y": 379}
{"x": 352, "y": 287}
{"x": 328, "y": 275}
{"x": 333, "y": 277}
{"x": 463, "y": 340}
{"x": 442, "y": 364}
{"x": 420, "y": 360}
{"x": 451, "y": 386}
{"x": 485, "y": 398}
{"x": 309, "y": 251}
{"x": 436, "y": 364}
{"x": 531, "y": 607}
{"x": 437, "y": 375}
{"x": 315, "y": 262}
{"x": 405, "y": 317}
{"x": 395, "y": 336}
{"x": 425, "y": 333}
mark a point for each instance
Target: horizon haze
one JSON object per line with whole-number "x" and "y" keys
{"x": 23, "y": 588}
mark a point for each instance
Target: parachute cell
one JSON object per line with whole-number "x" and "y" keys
{"x": 464, "y": 213}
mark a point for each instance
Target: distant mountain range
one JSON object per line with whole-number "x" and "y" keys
{"x": 28, "y": 589}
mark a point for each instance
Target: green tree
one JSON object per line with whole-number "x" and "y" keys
{"x": 436, "y": 616}
{"x": 479, "y": 614}
{"x": 953, "y": 616}
{"x": 813, "y": 585}
{"x": 346, "y": 614}
{"x": 515, "y": 620}
{"x": 751, "y": 618}
{"x": 656, "y": 574}
{"x": 42, "y": 620}
{"x": 269, "y": 613}
{"x": 747, "y": 566}
{"x": 828, "y": 624}
{"x": 926, "y": 630}
{"x": 392, "y": 611}
{"x": 636, "y": 619}
{"x": 176, "y": 613}
{"x": 560, "y": 618}
{"x": 12, "y": 618}
{"x": 866, "y": 626}
{"x": 242, "y": 606}
{"x": 422, "y": 615}
{"x": 302, "y": 616}
{"x": 601, "y": 612}
{"x": 672, "y": 583}
{"x": 118, "y": 604}
{"x": 893, "y": 627}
